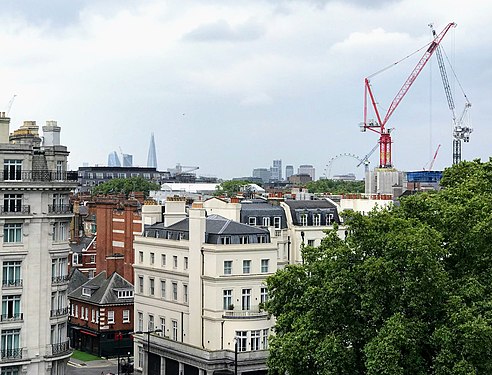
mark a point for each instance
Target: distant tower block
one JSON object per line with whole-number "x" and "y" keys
{"x": 113, "y": 160}
{"x": 289, "y": 171}
{"x": 127, "y": 160}
{"x": 152, "y": 157}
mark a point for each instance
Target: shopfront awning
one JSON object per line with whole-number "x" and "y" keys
{"x": 88, "y": 333}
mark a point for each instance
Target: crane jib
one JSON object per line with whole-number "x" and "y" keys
{"x": 432, "y": 47}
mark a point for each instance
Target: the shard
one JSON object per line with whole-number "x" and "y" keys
{"x": 152, "y": 157}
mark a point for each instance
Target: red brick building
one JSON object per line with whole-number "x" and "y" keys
{"x": 106, "y": 244}
{"x": 101, "y": 316}
{"x": 117, "y": 222}
{"x": 83, "y": 256}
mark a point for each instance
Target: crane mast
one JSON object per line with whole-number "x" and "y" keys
{"x": 379, "y": 125}
{"x": 461, "y": 131}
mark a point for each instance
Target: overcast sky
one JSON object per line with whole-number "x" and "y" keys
{"x": 231, "y": 85}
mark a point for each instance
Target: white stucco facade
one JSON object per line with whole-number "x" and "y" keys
{"x": 35, "y": 217}
{"x": 201, "y": 295}
{"x": 204, "y": 296}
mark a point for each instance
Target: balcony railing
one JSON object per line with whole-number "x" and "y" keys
{"x": 12, "y": 283}
{"x": 11, "y": 317}
{"x": 15, "y": 210}
{"x": 245, "y": 314}
{"x": 9, "y": 354}
{"x": 61, "y": 348}
{"x": 59, "y": 312}
{"x": 59, "y": 279}
{"x": 59, "y": 208}
{"x": 42, "y": 176}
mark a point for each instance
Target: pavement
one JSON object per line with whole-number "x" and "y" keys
{"x": 97, "y": 363}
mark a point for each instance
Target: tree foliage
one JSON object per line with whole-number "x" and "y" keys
{"x": 230, "y": 188}
{"x": 335, "y": 186}
{"x": 126, "y": 186}
{"x": 407, "y": 292}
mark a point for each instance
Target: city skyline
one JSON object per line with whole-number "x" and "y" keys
{"x": 205, "y": 77}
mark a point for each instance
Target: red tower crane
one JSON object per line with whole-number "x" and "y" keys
{"x": 379, "y": 125}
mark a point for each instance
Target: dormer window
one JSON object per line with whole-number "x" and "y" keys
{"x": 252, "y": 220}
{"x": 329, "y": 219}
{"x": 277, "y": 222}
{"x": 304, "y": 220}
{"x": 86, "y": 292}
{"x": 126, "y": 293}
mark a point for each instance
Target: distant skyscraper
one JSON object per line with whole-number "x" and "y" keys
{"x": 113, "y": 160}
{"x": 276, "y": 170}
{"x": 262, "y": 173}
{"x": 127, "y": 160}
{"x": 306, "y": 169}
{"x": 289, "y": 171}
{"x": 152, "y": 157}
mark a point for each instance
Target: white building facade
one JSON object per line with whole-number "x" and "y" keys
{"x": 201, "y": 281}
{"x": 35, "y": 217}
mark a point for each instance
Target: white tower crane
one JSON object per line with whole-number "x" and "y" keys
{"x": 461, "y": 125}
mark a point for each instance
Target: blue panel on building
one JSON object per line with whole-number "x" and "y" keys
{"x": 424, "y": 176}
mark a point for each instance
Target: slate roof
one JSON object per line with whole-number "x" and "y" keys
{"x": 83, "y": 210}
{"x": 260, "y": 208}
{"x": 218, "y": 230}
{"x": 76, "y": 278}
{"x": 215, "y": 224}
{"x": 309, "y": 204}
{"x": 219, "y": 225}
{"x": 104, "y": 290}
{"x": 79, "y": 247}
{"x": 323, "y": 207}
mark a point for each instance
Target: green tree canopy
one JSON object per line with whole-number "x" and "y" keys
{"x": 335, "y": 186}
{"x": 126, "y": 186}
{"x": 230, "y": 188}
{"x": 408, "y": 291}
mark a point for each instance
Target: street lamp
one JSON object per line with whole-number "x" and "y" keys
{"x": 235, "y": 358}
{"x": 302, "y": 246}
{"x": 148, "y": 341}
{"x": 235, "y": 354}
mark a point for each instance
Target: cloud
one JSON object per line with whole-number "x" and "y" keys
{"x": 56, "y": 14}
{"x": 111, "y": 72}
{"x": 256, "y": 99}
{"x": 323, "y": 3}
{"x": 221, "y": 30}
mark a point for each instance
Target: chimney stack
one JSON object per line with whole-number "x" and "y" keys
{"x": 51, "y": 133}
{"x": 4, "y": 128}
